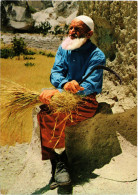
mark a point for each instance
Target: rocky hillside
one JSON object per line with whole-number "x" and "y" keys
{"x": 32, "y": 16}
{"x": 115, "y": 33}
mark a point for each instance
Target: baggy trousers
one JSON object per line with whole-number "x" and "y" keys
{"x": 52, "y": 125}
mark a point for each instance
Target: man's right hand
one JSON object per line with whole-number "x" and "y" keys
{"x": 73, "y": 86}
{"x": 46, "y": 95}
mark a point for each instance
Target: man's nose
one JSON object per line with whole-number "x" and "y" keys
{"x": 73, "y": 30}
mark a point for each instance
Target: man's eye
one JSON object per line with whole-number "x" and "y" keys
{"x": 77, "y": 29}
{"x": 70, "y": 28}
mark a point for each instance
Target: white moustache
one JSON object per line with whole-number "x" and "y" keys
{"x": 74, "y": 35}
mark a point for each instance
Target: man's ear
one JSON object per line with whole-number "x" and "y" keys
{"x": 89, "y": 34}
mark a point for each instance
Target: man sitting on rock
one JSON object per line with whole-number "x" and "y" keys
{"x": 75, "y": 58}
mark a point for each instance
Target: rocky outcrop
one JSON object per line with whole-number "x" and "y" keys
{"x": 39, "y": 5}
{"x": 100, "y": 134}
{"x": 60, "y": 14}
{"x": 116, "y": 34}
{"x": 18, "y": 17}
{"x": 65, "y": 8}
{"x": 25, "y": 15}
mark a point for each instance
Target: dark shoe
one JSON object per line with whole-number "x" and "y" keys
{"x": 61, "y": 174}
{"x": 53, "y": 184}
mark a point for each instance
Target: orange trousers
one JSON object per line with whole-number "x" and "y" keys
{"x": 52, "y": 125}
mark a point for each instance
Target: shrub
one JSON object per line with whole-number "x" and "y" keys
{"x": 61, "y": 30}
{"x": 29, "y": 64}
{"x": 46, "y": 54}
{"x": 42, "y": 53}
{"x": 28, "y": 58}
{"x": 29, "y": 52}
{"x": 18, "y": 46}
{"x": 66, "y": 29}
{"x": 50, "y": 55}
{"x": 6, "y": 53}
{"x": 58, "y": 30}
{"x": 43, "y": 28}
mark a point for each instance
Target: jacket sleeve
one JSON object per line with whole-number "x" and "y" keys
{"x": 59, "y": 70}
{"x": 94, "y": 82}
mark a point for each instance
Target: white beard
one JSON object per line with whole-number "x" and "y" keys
{"x": 71, "y": 44}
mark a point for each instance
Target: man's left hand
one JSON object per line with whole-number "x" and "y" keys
{"x": 46, "y": 95}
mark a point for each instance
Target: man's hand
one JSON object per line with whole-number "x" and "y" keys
{"x": 73, "y": 86}
{"x": 46, "y": 95}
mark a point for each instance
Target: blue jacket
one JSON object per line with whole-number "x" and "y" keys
{"x": 76, "y": 64}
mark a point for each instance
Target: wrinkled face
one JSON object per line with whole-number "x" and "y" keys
{"x": 78, "y": 29}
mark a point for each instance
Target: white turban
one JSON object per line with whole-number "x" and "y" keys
{"x": 87, "y": 20}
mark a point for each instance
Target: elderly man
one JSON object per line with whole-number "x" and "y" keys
{"x": 75, "y": 58}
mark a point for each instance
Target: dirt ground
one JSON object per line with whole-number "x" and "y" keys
{"x": 109, "y": 166}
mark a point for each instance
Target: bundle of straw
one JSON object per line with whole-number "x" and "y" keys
{"x": 16, "y": 100}
{"x": 64, "y": 102}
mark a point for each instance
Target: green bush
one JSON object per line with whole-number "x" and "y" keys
{"x": 6, "y": 53}
{"x": 28, "y": 58}
{"x": 61, "y": 30}
{"x": 58, "y": 30}
{"x": 66, "y": 29}
{"x": 46, "y": 54}
{"x": 29, "y": 64}
{"x": 50, "y": 55}
{"x": 43, "y": 28}
{"x": 18, "y": 46}
{"x": 42, "y": 53}
{"x": 29, "y": 52}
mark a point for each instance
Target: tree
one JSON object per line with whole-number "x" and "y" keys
{"x": 18, "y": 46}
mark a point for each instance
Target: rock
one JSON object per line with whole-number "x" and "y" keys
{"x": 65, "y": 8}
{"x": 61, "y": 20}
{"x": 34, "y": 14}
{"x": 113, "y": 21}
{"x": 40, "y": 16}
{"x": 60, "y": 14}
{"x": 44, "y": 16}
{"x": 19, "y": 17}
{"x": 71, "y": 17}
{"x": 94, "y": 142}
{"x": 39, "y": 5}
{"x": 20, "y": 25}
